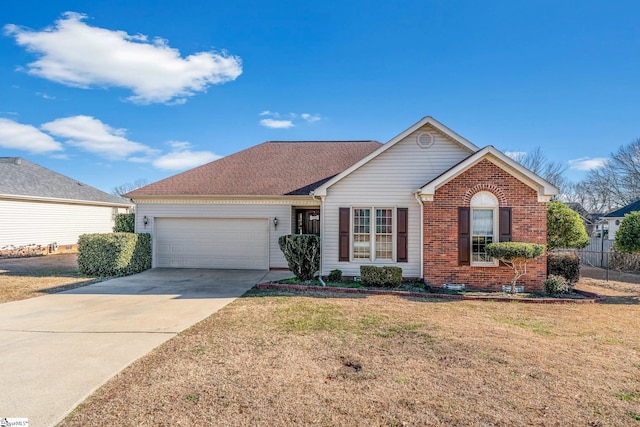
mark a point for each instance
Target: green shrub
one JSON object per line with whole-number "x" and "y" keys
{"x": 628, "y": 235}
{"x": 566, "y": 265}
{"x": 125, "y": 223}
{"x": 114, "y": 254}
{"x": 515, "y": 255}
{"x": 556, "y": 285}
{"x": 380, "y": 276}
{"x": 302, "y": 252}
{"x": 335, "y": 276}
{"x": 565, "y": 228}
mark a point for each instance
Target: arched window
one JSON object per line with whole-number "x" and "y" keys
{"x": 484, "y": 227}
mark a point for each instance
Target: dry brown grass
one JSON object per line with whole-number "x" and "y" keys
{"x": 22, "y": 278}
{"x": 273, "y": 359}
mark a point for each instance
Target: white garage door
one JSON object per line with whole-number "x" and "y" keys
{"x": 212, "y": 243}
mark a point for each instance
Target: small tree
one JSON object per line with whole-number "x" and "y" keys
{"x": 564, "y": 227}
{"x": 302, "y": 252}
{"x": 628, "y": 234}
{"x": 515, "y": 255}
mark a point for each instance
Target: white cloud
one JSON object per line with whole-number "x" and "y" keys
{"x": 45, "y": 96}
{"x": 183, "y": 158}
{"x": 586, "y": 163}
{"x": 276, "y": 124}
{"x": 92, "y": 135}
{"x": 310, "y": 117}
{"x": 285, "y": 121}
{"x": 17, "y": 136}
{"x": 76, "y": 54}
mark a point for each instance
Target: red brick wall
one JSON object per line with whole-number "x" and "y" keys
{"x": 529, "y": 224}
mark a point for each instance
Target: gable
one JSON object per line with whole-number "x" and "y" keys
{"x": 544, "y": 189}
{"x": 421, "y": 152}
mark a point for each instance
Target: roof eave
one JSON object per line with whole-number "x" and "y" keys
{"x": 124, "y": 204}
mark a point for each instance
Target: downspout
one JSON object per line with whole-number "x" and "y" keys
{"x": 416, "y": 194}
{"x": 321, "y": 235}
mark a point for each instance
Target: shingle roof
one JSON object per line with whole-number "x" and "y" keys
{"x": 274, "y": 168}
{"x": 632, "y": 207}
{"x": 20, "y": 177}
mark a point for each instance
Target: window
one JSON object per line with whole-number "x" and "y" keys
{"x": 361, "y": 233}
{"x": 484, "y": 227}
{"x": 377, "y": 240}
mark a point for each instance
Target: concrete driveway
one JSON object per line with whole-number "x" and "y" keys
{"x": 57, "y": 349}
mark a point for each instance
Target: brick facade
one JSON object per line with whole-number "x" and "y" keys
{"x": 529, "y": 224}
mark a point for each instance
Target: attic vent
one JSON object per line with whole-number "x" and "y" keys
{"x": 18, "y": 161}
{"x": 425, "y": 139}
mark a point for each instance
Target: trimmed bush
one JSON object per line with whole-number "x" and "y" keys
{"x": 125, "y": 223}
{"x": 515, "y": 255}
{"x": 555, "y": 285}
{"x": 380, "y": 276}
{"x": 335, "y": 276}
{"x": 628, "y": 234}
{"x": 566, "y": 265}
{"x": 114, "y": 254}
{"x": 302, "y": 252}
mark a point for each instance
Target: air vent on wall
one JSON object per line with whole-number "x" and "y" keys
{"x": 425, "y": 139}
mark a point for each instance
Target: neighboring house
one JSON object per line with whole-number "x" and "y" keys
{"x": 42, "y": 211}
{"x": 615, "y": 218}
{"x": 590, "y": 220}
{"x": 427, "y": 201}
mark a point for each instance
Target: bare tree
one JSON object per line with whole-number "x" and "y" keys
{"x": 616, "y": 184}
{"x": 538, "y": 163}
{"x": 123, "y": 189}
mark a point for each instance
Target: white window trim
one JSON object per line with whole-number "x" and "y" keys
{"x": 484, "y": 200}
{"x": 372, "y": 235}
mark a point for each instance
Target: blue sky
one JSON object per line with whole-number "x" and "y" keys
{"x": 112, "y": 92}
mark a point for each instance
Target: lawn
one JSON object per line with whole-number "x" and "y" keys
{"x": 22, "y": 278}
{"x": 272, "y": 358}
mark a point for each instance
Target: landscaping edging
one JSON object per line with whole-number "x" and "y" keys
{"x": 591, "y": 298}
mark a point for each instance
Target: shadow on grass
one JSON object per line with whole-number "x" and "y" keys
{"x": 68, "y": 287}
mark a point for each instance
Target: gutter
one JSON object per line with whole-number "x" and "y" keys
{"x": 416, "y": 194}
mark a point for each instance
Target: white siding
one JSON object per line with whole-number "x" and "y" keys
{"x": 24, "y": 223}
{"x": 222, "y": 210}
{"x": 389, "y": 180}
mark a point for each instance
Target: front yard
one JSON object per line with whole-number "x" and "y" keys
{"x": 272, "y": 358}
{"x": 22, "y": 278}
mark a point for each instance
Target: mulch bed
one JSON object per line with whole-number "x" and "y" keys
{"x": 586, "y": 297}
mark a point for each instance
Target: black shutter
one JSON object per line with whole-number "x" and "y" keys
{"x": 401, "y": 235}
{"x": 505, "y": 225}
{"x": 464, "y": 236}
{"x": 344, "y": 232}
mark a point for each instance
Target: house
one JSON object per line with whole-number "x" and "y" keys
{"x": 42, "y": 211}
{"x": 591, "y": 221}
{"x": 614, "y": 218}
{"x": 427, "y": 201}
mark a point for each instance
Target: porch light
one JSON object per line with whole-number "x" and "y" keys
{"x": 275, "y": 222}
{"x": 145, "y": 220}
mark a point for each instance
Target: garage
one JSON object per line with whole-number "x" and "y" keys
{"x": 212, "y": 243}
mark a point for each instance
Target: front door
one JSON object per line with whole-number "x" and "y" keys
{"x": 308, "y": 221}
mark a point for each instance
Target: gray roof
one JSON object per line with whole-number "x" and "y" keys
{"x": 21, "y": 178}
{"x": 632, "y": 207}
